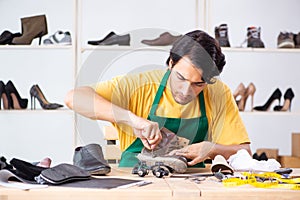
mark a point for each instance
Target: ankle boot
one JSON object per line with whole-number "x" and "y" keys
{"x": 32, "y": 27}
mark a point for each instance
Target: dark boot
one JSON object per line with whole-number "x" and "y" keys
{"x": 91, "y": 159}
{"x": 32, "y": 27}
{"x": 253, "y": 37}
{"x": 221, "y": 34}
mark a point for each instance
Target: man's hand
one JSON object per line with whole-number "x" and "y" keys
{"x": 146, "y": 130}
{"x": 196, "y": 152}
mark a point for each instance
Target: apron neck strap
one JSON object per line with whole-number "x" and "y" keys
{"x": 159, "y": 92}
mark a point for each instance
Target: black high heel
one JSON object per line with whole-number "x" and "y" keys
{"x": 5, "y": 98}
{"x": 17, "y": 102}
{"x": 36, "y": 93}
{"x": 276, "y": 95}
{"x": 288, "y": 97}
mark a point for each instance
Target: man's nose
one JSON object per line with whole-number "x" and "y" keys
{"x": 186, "y": 88}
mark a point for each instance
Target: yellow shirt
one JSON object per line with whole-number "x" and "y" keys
{"x": 136, "y": 92}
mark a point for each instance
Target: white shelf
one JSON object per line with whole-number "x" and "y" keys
{"x": 124, "y": 48}
{"x": 36, "y": 111}
{"x": 34, "y": 47}
{"x": 260, "y": 50}
{"x": 269, "y": 113}
{"x": 224, "y": 49}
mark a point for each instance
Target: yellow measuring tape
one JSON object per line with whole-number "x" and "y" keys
{"x": 270, "y": 180}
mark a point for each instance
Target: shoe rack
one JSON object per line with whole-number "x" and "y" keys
{"x": 35, "y": 134}
{"x": 268, "y": 68}
{"x": 58, "y": 68}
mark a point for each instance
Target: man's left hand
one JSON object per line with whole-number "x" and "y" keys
{"x": 196, "y": 152}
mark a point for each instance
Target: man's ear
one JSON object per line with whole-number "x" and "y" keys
{"x": 170, "y": 66}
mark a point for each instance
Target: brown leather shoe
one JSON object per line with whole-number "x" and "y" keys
{"x": 164, "y": 39}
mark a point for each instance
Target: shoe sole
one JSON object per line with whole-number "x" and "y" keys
{"x": 286, "y": 44}
{"x": 176, "y": 164}
{"x": 100, "y": 171}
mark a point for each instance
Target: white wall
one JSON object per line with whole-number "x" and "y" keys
{"x": 54, "y": 68}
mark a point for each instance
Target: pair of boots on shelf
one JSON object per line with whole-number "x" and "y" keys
{"x": 32, "y": 27}
{"x": 253, "y": 38}
{"x": 12, "y": 100}
{"x": 276, "y": 95}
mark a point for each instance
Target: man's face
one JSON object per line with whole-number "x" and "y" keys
{"x": 185, "y": 81}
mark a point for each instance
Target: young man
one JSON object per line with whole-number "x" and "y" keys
{"x": 187, "y": 99}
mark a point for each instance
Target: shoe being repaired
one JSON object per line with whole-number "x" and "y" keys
{"x": 160, "y": 157}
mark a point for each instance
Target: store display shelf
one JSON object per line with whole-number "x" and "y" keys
{"x": 37, "y": 111}
{"x": 262, "y": 50}
{"x": 34, "y": 47}
{"x": 270, "y": 113}
{"x": 124, "y": 48}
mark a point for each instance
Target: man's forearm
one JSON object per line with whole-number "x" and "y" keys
{"x": 227, "y": 150}
{"x": 85, "y": 101}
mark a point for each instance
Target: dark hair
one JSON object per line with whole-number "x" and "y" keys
{"x": 203, "y": 51}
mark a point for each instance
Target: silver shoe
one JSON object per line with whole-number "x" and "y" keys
{"x": 59, "y": 37}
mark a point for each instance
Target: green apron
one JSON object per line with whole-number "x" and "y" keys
{"x": 194, "y": 129}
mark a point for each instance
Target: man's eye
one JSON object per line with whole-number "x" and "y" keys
{"x": 199, "y": 84}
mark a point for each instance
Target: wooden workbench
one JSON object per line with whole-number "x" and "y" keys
{"x": 161, "y": 188}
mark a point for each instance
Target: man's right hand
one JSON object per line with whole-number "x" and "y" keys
{"x": 146, "y": 130}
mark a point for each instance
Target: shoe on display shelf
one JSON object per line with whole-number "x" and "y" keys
{"x": 285, "y": 40}
{"x": 253, "y": 37}
{"x": 297, "y": 40}
{"x": 221, "y": 35}
{"x": 59, "y": 37}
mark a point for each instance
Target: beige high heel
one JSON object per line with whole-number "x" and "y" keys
{"x": 238, "y": 95}
{"x": 249, "y": 91}
{"x": 241, "y": 95}
{"x": 239, "y": 92}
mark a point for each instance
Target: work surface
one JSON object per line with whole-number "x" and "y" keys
{"x": 160, "y": 188}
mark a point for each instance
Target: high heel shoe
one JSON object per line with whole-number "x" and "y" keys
{"x": 276, "y": 95}
{"x": 244, "y": 93}
{"x": 250, "y": 90}
{"x": 36, "y": 93}
{"x": 238, "y": 94}
{"x": 3, "y": 95}
{"x": 32, "y": 27}
{"x": 16, "y": 101}
{"x": 288, "y": 97}
{"x": 239, "y": 91}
